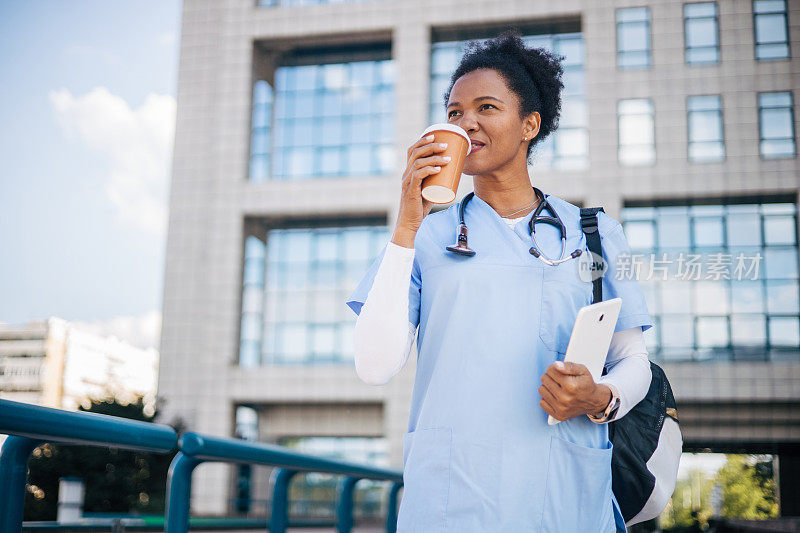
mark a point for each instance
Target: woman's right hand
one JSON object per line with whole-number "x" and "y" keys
{"x": 422, "y": 162}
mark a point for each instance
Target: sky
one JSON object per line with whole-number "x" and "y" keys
{"x": 87, "y": 127}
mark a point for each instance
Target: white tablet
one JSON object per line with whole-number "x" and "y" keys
{"x": 591, "y": 338}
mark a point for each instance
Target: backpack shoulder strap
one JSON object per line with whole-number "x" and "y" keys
{"x": 590, "y": 229}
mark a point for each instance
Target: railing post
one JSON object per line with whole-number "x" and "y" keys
{"x": 179, "y": 489}
{"x": 13, "y": 475}
{"x": 344, "y": 511}
{"x": 391, "y": 511}
{"x": 279, "y": 517}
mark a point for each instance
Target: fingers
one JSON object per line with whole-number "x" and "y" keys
{"x": 554, "y": 393}
{"x": 550, "y": 382}
{"x": 431, "y": 160}
{"x": 420, "y": 173}
{"x": 549, "y": 409}
{"x": 565, "y": 386}
{"x": 425, "y": 149}
{"x": 555, "y": 375}
{"x": 569, "y": 369}
{"x": 420, "y": 142}
{"x": 548, "y": 396}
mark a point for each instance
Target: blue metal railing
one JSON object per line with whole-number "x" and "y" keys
{"x": 32, "y": 425}
{"x": 195, "y": 449}
{"x": 29, "y": 426}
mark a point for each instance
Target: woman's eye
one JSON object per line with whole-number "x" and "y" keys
{"x": 450, "y": 114}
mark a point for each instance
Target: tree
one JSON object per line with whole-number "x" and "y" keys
{"x": 743, "y": 488}
{"x": 115, "y": 480}
{"x": 748, "y": 488}
{"x": 690, "y": 502}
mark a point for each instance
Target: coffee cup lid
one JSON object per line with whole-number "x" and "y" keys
{"x": 449, "y": 127}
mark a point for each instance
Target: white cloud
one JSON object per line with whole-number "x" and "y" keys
{"x": 137, "y": 144}
{"x": 142, "y": 331}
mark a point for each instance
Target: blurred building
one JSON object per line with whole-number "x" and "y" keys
{"x": 56, "y": 364}
{"x": 292, "y": 128}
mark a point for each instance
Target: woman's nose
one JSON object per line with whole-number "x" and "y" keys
{"x": 467, "y": 123}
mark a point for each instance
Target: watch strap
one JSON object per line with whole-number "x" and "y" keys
{"x": 611, "y": 409}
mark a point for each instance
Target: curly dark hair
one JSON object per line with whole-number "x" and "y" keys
{"x": 533, "y": 74}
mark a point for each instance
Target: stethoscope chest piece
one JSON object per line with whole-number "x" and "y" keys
{"x": 461, "y": 246}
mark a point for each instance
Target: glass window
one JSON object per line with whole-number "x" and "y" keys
{"x": 640, "y": 234}
{"x": 771, "y": 26}
{"x": 748, "y": 330}
{"x": 633, "y": 37}
{"x": 747, "y": 296}
{"x": 780, "y": 263}
{"x": 673, "y": 228}
{"x": 636, "y": 127}
{"x": 706, "y": 143}
{"x": 712, "y": 332}
{"x": 780, "y": 230}
{"x": 726, "y": 279}
{"x": 781, "y": 297}
{"x": 701, "y": 32}
{"x": 784, "y": 332}
{"x": 252, "y": 301}
{"x": 677, "y": 332}
{"x": 299, "y": 316}
{"x": 743, "y": 229}
{"x": 565, "y": 148}
{"x": 711, "y": 298}
{"x": 321, "y": 112}
{"x": 246, "y": 423}
{"x": 261, "y": 131}
{"x": 707, "y": 231}
{"x": 776, "y": 125}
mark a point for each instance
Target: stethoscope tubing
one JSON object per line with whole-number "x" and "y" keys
{"x": 461, "y": 247}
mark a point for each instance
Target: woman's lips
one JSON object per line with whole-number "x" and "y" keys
{"x": 475, "y": 148}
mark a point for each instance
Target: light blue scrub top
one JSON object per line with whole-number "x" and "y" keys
{"x": 479, "y": 455}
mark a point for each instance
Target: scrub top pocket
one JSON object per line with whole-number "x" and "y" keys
{"x": 426, "y": 480}
{"x": 578, "y": 488}
{"x": 475, "y": 483}
{"x": 563, "y": 295}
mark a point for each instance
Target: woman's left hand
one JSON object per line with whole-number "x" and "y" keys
{"x": 568, "y": 390}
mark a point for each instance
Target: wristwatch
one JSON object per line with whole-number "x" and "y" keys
{"x": 611, "y": 409}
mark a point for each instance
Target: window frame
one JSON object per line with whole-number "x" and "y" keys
{"x": 721, "y": 113}
{"x": 759, "y": 109}
{"x": 769, "y": 351}
{"x": 648, "y": 50}
{"x": 787, "y": 28}
{"x": 619, "y": 136}
{"x": 717, "y": 35}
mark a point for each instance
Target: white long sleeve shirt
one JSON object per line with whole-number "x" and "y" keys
{"x": 384, "y": 336}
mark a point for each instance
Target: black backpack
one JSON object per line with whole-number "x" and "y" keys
{"x": 647, "y": 440}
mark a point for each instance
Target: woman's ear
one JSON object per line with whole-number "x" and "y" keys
{"x": 531, "y": 126}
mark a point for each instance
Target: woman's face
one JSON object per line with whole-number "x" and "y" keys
{"x": 482, "y": 104}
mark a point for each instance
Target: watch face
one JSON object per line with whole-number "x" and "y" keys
{"x": 615, "y": 406}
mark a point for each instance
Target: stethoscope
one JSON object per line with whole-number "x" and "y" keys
{"x": 461, "y": 245}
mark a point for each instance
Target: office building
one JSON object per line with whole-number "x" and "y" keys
{"x": 292, "y": 128}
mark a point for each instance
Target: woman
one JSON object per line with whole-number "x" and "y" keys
{"x": 479, "y": 454}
